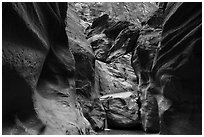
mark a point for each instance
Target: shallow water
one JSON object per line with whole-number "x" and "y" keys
{"x": 121, "y": 132}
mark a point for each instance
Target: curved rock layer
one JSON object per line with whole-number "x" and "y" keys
{"x": 39, "y": 94}
{"x": 48, "y": 72}
{"x": 177, "y": 70}
{"x": 169, "y": 71}
{"x": 141, "y": 61}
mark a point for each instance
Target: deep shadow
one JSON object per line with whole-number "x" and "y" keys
{"x": 16, "y": 98}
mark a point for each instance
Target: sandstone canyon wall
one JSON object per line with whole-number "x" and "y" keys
{"x": 167, "y": 64}
{"x": 38, "y": 71}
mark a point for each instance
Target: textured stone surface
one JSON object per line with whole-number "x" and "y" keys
{"x": 170, "y": 71}
{"x": 94, "y": 113}
{"x": 115, "y": 77}
{"x": 111, "y": 39}
{"x": 156, "y": 19}
{"x": 122, "y": 113}
{"x": 38, "y": 62}
{"x": 83, "y": 55}
{"x": 38, "y": 70}
{"x": 144, "y": 53}
{"x": 141, "y": 62}
{"x": 85, "y": 74}
{"x": 134, "y": 12}
{"x": 118, "y": 75}
{"x": 149, "y": 112}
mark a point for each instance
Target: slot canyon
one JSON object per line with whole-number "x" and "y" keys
{"x": 102, "y": 68}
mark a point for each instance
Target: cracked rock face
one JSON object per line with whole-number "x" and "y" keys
{"x": 94, "y": 112}
{"x": 115, "y": 77}
{"x": 126, "y": 72}
{"x": 111, "y": 39}
{"x": 123, "y": 112}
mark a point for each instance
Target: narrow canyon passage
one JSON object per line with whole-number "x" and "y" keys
{"x": 162, "y": 59}
{"x": 102, "y": 68}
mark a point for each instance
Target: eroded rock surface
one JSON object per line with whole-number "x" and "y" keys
{"x": 85, "y": 74}
{"x": 94, "y": 112}
{"x": 177, "y": 70}
{"x": 52, "y": 70}
{"x": 39, "y": 70}
{"x": 115, "y": 77}
{"x": 118, "y": 76}
{"x": 149, "y": 112}
{"x": 134, "y": 12}
{"x": 169, "y": 72}
{"x": 141, "y": 61}
{"x": 110, "y": 39}
{"x": 123, "y": 112}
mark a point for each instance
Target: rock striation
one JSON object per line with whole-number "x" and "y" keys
{"x": 56, "y": 66}
{"x": 141, "y": 61}
{"x": 177, "y": 70}
{"x": 167, "y": 64}
{"x": 39, "y": 71}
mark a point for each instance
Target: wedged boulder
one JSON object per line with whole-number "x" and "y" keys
{"x": 39, "y": 69}
{"x": 122, "y": 113}
{"x": 177, "y": 70}
{"x": 115, "y": 77}
{"x": 111, "y": 39}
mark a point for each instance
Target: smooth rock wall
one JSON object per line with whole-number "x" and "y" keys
{"x": 177, "y": 70}
{"x": 36, "y": 56}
